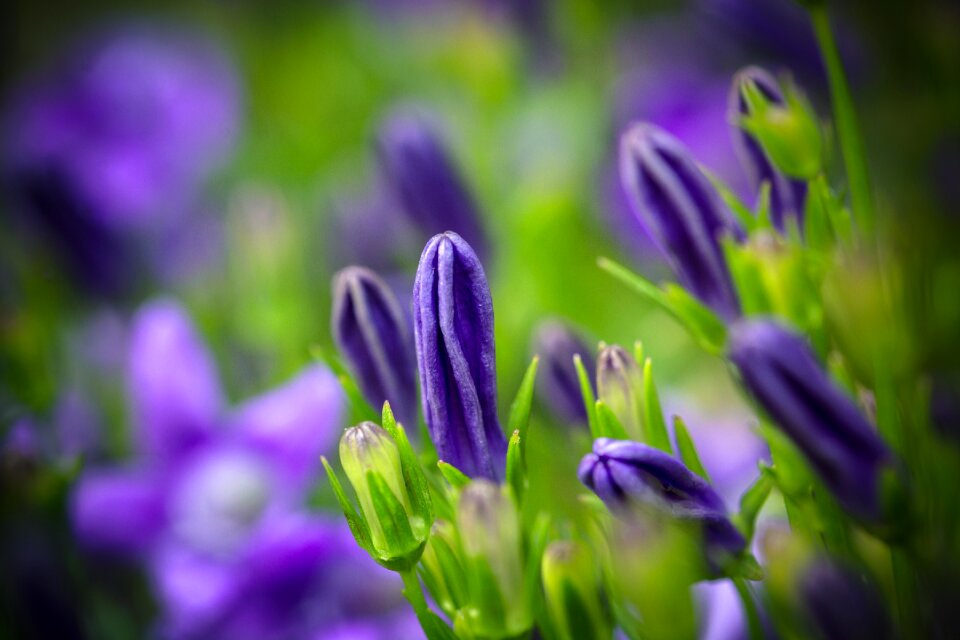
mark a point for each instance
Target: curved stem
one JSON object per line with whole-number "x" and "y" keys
{"x": 749, "y": 608}
{"x": 848, "y": 131}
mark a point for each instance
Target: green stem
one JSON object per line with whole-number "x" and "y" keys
{"x": 749, "y": 608}
{"x": 413, "y": 592}
{"x": 848, "y": 131}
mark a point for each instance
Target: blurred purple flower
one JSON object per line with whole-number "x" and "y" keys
{"x": 213, "y": 502}
{"x": 114, "y": 145}
{"x": 374, "y": 337}
{"x": 453, "y": 326}
{"x": 425, "y": 179}
{"x": 787, "y": 195}
{"x": 624, "y": 473}
{"x": 682, "y": 211}
{"x": 558, "y": 384}
{"x": 782, "y": 373}
{"x": 839, "y": 602}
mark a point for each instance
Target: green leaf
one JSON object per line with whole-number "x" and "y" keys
{"x": 608, "y": 425}
{"x": 734, "y": 203}
{"x": 752, "y": 501}
{"x": 413, "y": 477}
{"x": 653, "y": 414}
{"x": 688, "y": 451}
{"x": 434, "y": 627}
{"x": 393, "y": 518}
{"x": 516, "y": 472}
{"x": 457, "y": 479}
{"x": 763, "y": 207}
{"x": 520, "y": 409}
{"x": 586, "y": 391}
{"x": 358, "y": 526}
{"x": 703, "y": 325}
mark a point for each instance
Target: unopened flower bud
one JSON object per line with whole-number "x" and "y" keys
{"x": 490, "y": 533}
{"x": 620, "y": 387}
{"x": 572, "y": 583}
{"x": 558, "y": 385}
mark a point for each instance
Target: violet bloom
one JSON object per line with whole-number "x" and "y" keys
{"x": 453, "y": 326}
{"x": 373, "y": 336}
{"x": 622, "y": 472}
{"x": 212, "y": 502}
{"x": 839, "y": 603}
{"x": 787, "y": 195}
{"x": 558, "y": 385}
{"x": 682, "y": 211}
{"x": 425, "y": 179}
{"x": 114, "y": 146}
{"x": 781, "y": 372}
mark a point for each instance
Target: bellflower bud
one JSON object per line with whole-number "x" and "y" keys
{"x": 624, "y": 473}
{"x": 558, "y": 385}
{"x": 839, "y": 603}
{"x": 787, "y": 195}
{"x": 781, "y": 372}
{"x": 371, "y": 460}
{"x": 782, "y": 123}
{"x": 453, "y": 325}
{"x": 442, "y": 570}
{"x": 620, "y": 387}
{"x": 371, "y": 331}
{"x": 425, "y": 179}
{"x": 489, "y": 527}
{"x": 573, "y": 588}
{"x": 682, "y": 211}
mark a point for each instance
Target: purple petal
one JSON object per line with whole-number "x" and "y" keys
{"x": 173, "y": 382}
{"x": 118, "y": 511}
{"x": 558, "y": 384}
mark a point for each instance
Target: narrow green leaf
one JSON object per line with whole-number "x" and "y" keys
{"x": 434, "y": 627}
{"x": 687, "y": 449}
{"x": 516, "y": 472}
{"x": 752, "y": 501}
{"x": 586, "y": 390}
{"x": 608, "y": 425}
{"x": 656, "y": 427}
{"x": 457, "y": 479}
{"x": 763, "y": 207}
{"x": 413, "y": 476}
{"x": 391, "y": 515}
{"x": 638, "y": 351}
{"x": 520, "y": 409}
{"x": 734, "y": 203}
{"x": 358, "y": 526}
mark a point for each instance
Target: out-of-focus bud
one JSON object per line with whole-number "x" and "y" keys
{"x": 784, "y": 124}
{"x": 781, "y": 372}
{"x": 425, "y": 179}
{"x": 620, "y": 387}
{"x": 453, "y": 325}
{"x": 371, "y": 331}
{"x": 489, "y": 527}
{"x": 573, "y": 587}
{"x": 625, "y": 474}
{"x": 558, "y": 385}
{"x": 682, "y": 211}
{"x": 787, "y": 195}
{"x": 838, "y": 602}
{"x": 442, "y": 570}
{"x": 371, "y": 460}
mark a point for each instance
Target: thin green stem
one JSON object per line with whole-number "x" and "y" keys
{"x": 413, "y": 592}
{"x": 848, "y": 131}
{"x": 749, "y": 608}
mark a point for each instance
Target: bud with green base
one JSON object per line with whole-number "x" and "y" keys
{"x": 491, "y": 540}
{"x": 396, "y": 511}
{"x": 789, "y": 133}
{"x": 572, "y": 586}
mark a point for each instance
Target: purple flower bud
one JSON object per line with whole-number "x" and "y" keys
{"x": 682, "y": 211}
{"x": 622, "y": 472}
{"x": 839, "y": 603}
{"x": 783, "y": 375}
{"x": 787, "y": 195}
{"x": 453, "y": 325}
{"x": 373, "y": 336}
{"x": 424, "y": 178}
{"x": 558, "y": 385}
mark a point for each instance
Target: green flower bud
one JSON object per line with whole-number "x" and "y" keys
{"x": 371, "y": 460}
{"x": 572, "y": 584}
{"x": 620, "y": 387}
{"x": 788, "y": 132}
{"x": 490, "y": 534}
{"x": 441, "y": 568}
